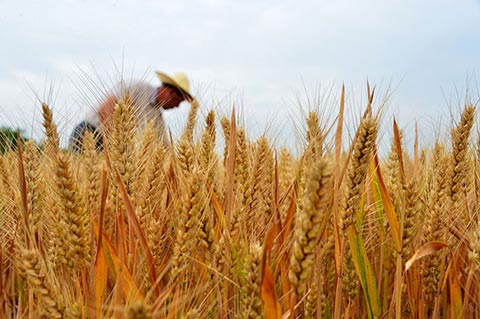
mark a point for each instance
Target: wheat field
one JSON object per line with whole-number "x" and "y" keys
{"x": 149, "y": 230}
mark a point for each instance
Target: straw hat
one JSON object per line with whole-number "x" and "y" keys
{"x": 178, "y": 80}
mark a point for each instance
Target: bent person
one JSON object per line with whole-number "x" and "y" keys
{"x": 148, "y": 102}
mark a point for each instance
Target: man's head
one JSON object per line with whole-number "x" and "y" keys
{"x": 174, "y": 90}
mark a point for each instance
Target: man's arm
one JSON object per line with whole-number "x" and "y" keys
{"x": 106, "y": 110}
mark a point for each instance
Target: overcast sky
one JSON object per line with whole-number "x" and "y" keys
{"x": 260, "y": 55}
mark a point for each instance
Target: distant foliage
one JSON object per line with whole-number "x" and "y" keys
{"x": 8, "y": 138}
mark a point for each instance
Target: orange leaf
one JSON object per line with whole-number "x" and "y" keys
{"x": 283, "y": 237}
{"x": 139, "y": 231}
{"x": 230, "y": 168}
{"x": 100, "y": 273}
{"x": 271, "y": 306}
{"x": 100, "y": 267}
{"x": 217, "y": 208}
{"x": 389, "y": 208}
{"x": 338, "y": 133}
{"x": 269, "y": 239}
{"x": 455, "y": 295}
{"x": 286, "y": 229}
{"x": 275, "y": 201}
{"x": 398, "y": 147}
{"x": 425, "y": 250}
{"x": 130, "y": 289}
{"x": 338, "y": 178}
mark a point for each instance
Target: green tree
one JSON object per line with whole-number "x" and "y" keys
{"x": 8, "y": 138}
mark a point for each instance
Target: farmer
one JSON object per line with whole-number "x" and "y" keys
{"x": 148, "y": 102}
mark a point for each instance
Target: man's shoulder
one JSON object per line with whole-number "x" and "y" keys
{"x": 133, "y": 87}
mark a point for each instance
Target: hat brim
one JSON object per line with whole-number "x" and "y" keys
{"x": 168, "y": 80}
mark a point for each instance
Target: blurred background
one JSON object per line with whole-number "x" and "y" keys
{"x": 273, "y": 60}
